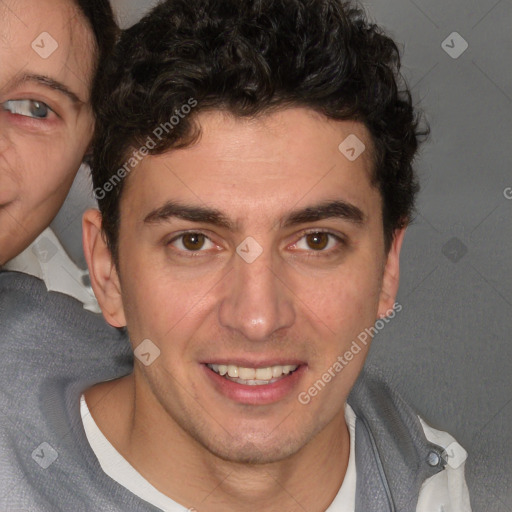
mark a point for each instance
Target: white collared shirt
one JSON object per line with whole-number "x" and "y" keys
{"x": 46, "y": 259}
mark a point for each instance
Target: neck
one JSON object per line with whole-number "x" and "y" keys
{"x": 181, "y": 468}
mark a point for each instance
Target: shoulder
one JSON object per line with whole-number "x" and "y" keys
{"x": 418, "y": 461}
{"x": 44, "y": 330}
{"x": 447, "y": 491}
{"x": 51, "y": 350}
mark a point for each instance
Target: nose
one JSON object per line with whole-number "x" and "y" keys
{"x": 256, "y": 302}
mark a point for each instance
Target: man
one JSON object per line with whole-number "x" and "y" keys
{"x": 253, "y": 170}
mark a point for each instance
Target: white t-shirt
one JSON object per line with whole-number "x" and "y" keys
{"x": 120, "y": 470}
{"x": 443, "y": 492}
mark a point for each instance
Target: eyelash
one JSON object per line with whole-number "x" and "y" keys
{"x": 341, "y": 243}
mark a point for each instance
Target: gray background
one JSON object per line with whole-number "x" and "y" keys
{"x": 450, "y": 349}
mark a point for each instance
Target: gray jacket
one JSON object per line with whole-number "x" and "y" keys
{"x": 52, "y": 350}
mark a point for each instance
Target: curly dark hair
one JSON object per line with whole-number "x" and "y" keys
{"x": 100, "y": 17}
{"x": 249, "y": 57}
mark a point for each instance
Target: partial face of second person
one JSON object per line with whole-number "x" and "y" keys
{"x": 46, "y": 65}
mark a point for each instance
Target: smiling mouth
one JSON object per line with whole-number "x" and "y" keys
{"x": 253, "y": 376}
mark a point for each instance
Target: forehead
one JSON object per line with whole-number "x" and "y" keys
{"x": 278, "y": 160}
{"x": 293, "y": 136}
{"x": 49, "y": 38}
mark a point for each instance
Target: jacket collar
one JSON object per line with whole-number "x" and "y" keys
{"x": 393, "y": 456}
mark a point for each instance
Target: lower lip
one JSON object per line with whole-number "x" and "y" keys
{"x": 256, "y": 395}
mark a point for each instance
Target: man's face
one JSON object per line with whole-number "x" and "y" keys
{"x": 261, "y": 246}
{"x": 46, "y": 48}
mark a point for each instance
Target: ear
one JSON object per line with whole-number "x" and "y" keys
{"x": 103, "y": 273}
{"x": 391, "y": 275}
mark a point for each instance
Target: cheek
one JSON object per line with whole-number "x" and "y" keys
{"x": 345, "y": 302}
{"x": 47, "y": 162}
{"x": 155, "y": 304}
{"x": 169, "y": 318}
{"x": 161, "y": 299}
{"x": 161, "y": 309}
{"x": 46, "y": 170}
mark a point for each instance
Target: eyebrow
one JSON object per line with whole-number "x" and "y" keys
{"x": 326, "y": 210}
{"x": 50, "y": 83}
{"x": 191, "y": 213}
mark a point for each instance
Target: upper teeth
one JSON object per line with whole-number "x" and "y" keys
{"x": 268, "y": 373}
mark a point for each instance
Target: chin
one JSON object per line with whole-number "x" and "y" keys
{"x": 256, "y": 448}
{"x": 250, "y": 453}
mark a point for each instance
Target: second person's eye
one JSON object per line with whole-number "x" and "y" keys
{"x": 29, "y": 108}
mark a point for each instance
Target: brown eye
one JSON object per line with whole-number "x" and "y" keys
{"x": 192, "y": 244}
{"x": 317, "y": 241}
{"x": 193, "y": 241}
